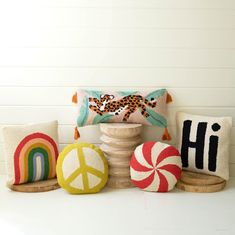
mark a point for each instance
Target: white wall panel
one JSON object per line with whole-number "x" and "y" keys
{"x": 118, "y": 57}
{"x": 189, "y": 4}
{"x": 118, "y": 18}
{"x": 126, "y": 38}
{"x": 117, "y": 77}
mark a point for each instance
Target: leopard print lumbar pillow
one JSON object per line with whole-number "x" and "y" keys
{"x": 147, "y": 108}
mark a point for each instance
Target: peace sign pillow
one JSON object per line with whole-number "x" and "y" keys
{"x": 82, "y": 168}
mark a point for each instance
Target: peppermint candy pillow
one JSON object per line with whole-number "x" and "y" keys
{"x": 132, "y": 107}
{"x": 155, "y": 167}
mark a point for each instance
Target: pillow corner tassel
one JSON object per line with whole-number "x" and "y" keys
{"x": 75, "y": 98}
{"x": 166, "y": 135}
{"x": 76, "y": 133}
{"x": 169, "y": 98}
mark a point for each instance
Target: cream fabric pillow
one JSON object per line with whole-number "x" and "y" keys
{"x": 204, "y": 143}
{"x": 31, "y": 152}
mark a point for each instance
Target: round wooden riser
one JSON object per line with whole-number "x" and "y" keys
{"x": 36, "y": 187}
{"x": 121, "y": 130}
{"x": 117, "y": 152}
{"x": 119, "y": 162}
{"x": 119, "y": 172}
{"x": 119, "y": 143}
{"x": 200, "y": 183}
{"x": 120, "y": 183}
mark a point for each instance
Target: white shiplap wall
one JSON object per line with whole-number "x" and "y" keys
{"x": 48, "y": 48}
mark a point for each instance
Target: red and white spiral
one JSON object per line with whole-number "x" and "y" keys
{"x": 155, "y": 167}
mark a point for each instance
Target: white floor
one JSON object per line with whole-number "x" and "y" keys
{"x": 112, "y": 212}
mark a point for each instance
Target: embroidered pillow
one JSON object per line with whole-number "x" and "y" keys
{"x": 31, "y": 152}
{"x": 155, "y": 167}
{"x": 82, "y": 168}
{"x": 133, "y": 107}
{"x": 204, "y": 143}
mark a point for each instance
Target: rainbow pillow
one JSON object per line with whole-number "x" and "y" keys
{"x": 31, "y": 152}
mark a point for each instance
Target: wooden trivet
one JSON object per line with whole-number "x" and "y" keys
{"x": 200, "y": 183}
{"x": 200, "y": 179}
{"x": 39, "y": 186}
{"x": 201, "y": 189}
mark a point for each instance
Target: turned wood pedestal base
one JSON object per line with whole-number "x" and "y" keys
{"x": 119, "y": 142}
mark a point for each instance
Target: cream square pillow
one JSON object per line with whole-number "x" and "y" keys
{"x": 204, "y": 143}
{"x": 31, "y": 152}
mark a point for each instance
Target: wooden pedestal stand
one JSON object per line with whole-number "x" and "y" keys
{"x": 119, "y": 143}
{"x": 200, "y": 183}
{"x": 40, "y": 186}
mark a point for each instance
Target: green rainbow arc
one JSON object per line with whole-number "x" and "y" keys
{"x": 31, "y": 165}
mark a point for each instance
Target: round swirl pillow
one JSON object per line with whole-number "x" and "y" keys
{"x": 155, "y": 167}
{"x": 82, "y": 168}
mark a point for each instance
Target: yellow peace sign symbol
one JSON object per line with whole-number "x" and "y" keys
{"x": 82, "y": 168}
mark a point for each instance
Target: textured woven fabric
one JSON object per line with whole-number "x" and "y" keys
{"x": 82, "y": 168}
{"x": 147, "y": 108}
{"x": 31, "y": 152}
{"x": 155, "y": 167}
{"x": 204, "y": 143}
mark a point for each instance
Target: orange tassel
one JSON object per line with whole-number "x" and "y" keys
{"x": 169, "y": 98}
{"x": 76, "y": 133}
{"x": 75, "y": 98}
{"x": 166, "y": 135}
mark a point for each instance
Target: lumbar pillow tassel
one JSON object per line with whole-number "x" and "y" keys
{"x": 82, "y": 168}
{"x": 155, "y": 167}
